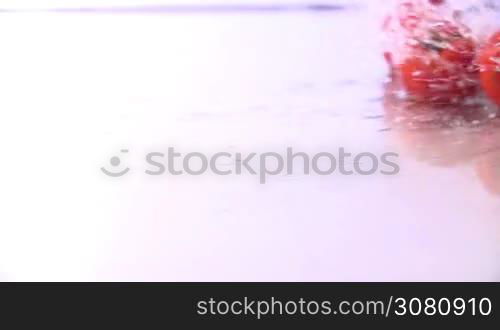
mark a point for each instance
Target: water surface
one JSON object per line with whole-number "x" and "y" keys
{"x": 78, "y": 87}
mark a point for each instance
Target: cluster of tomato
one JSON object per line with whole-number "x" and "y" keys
{"x": 442, "y": 61}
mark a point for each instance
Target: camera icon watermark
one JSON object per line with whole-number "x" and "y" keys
{"x": 116, "y": 162}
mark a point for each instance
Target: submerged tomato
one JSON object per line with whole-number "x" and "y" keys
{"x": 434, "y": 56}
{"x": 440, "y": 66}
{"x": 432, "y": 80}
{"x": 489, "y": 62}
{"x": 495, "y": 38}
{"x": 459, "y": 51}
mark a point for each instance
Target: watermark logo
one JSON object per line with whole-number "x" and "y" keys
{"x": 261, "y": 165}
{"x": 116, "y": 162}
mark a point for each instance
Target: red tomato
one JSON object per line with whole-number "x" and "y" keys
{"x": 440, "y": 68}
{"x": 489, "y": 62}
{"x": 433, "y": 81}
{"x": 459, "y": 51}
{"x": 495, "y": 38}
